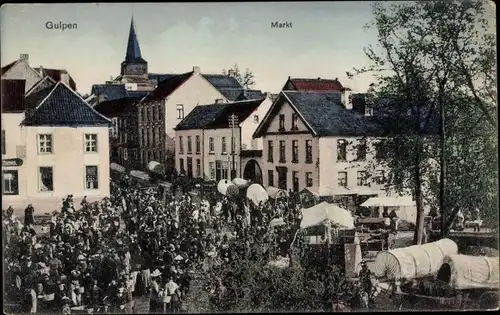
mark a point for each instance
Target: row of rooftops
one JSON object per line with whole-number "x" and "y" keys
{"x": 55, "y": 74}
{"x": 54, "y": 105}
{"x": 165, "y": 84}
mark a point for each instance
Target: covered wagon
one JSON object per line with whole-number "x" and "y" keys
{"x": 413, "y": 262}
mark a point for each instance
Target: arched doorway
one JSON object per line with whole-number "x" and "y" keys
{"x": 253, "y": 172}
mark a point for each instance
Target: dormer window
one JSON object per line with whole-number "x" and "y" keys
{"x": 282, "y": 122}
{"x": 295, "y": 119}
{"x": 256, "y": 119}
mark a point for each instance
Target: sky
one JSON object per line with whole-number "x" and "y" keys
{"x": 326, "y": 39}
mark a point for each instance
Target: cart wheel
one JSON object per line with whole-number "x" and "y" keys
{"x": 489, "y": 300}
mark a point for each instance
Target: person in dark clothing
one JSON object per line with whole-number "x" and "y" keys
{"x": 29, "y": 219}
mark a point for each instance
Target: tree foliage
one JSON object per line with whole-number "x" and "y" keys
{"x": 246, "y": 79}
{"x": 254, "y": 286}
{"x": 436, "y": 57}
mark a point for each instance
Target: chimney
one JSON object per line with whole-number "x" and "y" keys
{"x": 41, "y": 70}
{"x": 347, "y": 98}
{"x": 196, "y": 69}
{"x": 24, "y": 57}
{"x": 230, "y": 73}
{"x": 319, "y": 78}
{"x": 64, "y": 77}
{"x": 336, "y": 79}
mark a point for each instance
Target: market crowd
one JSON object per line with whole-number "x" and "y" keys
{"x": 138, "y": 245}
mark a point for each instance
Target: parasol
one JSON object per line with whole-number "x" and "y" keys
{"x": 257, "y": 194}
{"x": 222, "y": 186}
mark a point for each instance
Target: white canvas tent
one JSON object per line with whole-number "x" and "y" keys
{"x": 274, "y": 192}
{"x": 415, "y": 261}
{"x": 117, "y": 167}
{"x": 470, "y": 272}
{"x": 326, "y": 212}
{"x": 257, "y": 194}
{"x": 405, "y": 207}
{"x": 389, "y": 202}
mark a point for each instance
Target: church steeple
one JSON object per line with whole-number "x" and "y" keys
{"x": 133, "y": 64}
{"x": 133, "y": 50}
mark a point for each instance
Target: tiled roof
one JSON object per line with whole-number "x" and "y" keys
{"x": 115, "y": 107}
{"x": 251, "y": 95}
{"x": 63, "y": 107}
{"x": 136, "y": 94}
{"x": 166, "y": 87}
{"x": 158, "y": 77}
{"x": 7, "y": 67}
{"x": 241, "y": 109}
{"x": 223, "y": 82}
{"x": 326, "y": 115}
{"x": 56, "y": 75}
{"x": 110, "y": 91}
{"x": 201, "y": 116}
{"x": 13, "y": 95}
{"x": 309, "y": 85}
{"x": 231, "y": 94}
{"x": 216, "y": 116}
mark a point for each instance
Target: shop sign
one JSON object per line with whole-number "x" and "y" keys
{"x": 12, "y": 162}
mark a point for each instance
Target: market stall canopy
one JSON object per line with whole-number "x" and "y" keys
{"x": 257, "y": 194}
{"x": 389, "y": 202}
{"x": 328, "y": 191}
{"x": 222, "y": 186}
{"x": 276, "y": 221}
{"x": 139, "y": 175}
{"x": 156, "y": 167}
{"x": 415, "y": 261}
{"x": 240, "y": 182}
{"x": 470, "y": 272}
{"x": 324, "y": 211}
{"x": 117, "y": 167}
{"x": 274, "y": 192}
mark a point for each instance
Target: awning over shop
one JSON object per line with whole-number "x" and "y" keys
{"x": 389, "y": 202}
{"x": 139, "y": 175}
{"x": 156, "y": 167}
{"x": 117, "y": 167}
{"x": 324, "y": 212}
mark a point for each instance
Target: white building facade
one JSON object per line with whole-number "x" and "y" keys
{"x": 55, "y": 147}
